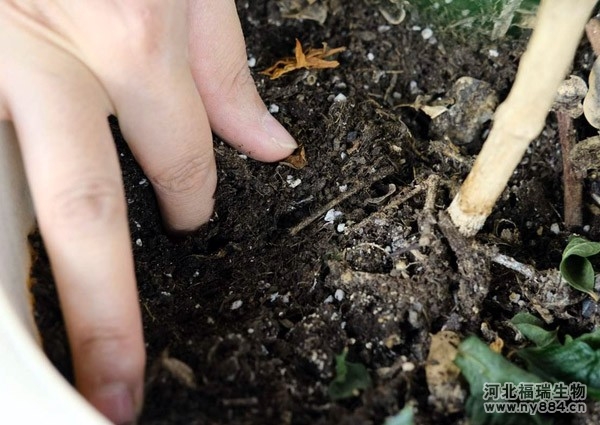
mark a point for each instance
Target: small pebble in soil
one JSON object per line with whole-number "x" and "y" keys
{"x": 493, "y": 53}
{"x": 588, "y": 308}
{"x": 370, "y": 56}
{"x": 139, "y": 242}
{"x": 340, "y": 97}
{"x": 413, "y": 87}
{"x": 332, "y": 215}
{"x": 291, "y": 182}
{"x": 341, "y": 227}
{"x": 343, "y": 188}
{"x": 555, "y": 228}
{"x": 251, "y": 62}
{"x": 273, "y": 108}
{"x": 339, "y": 294}
{"x": 427, "y": 33}
{"x": 236, "y": 304}
{"x": 243, "y": 156}
{"x": 408, "y": 367}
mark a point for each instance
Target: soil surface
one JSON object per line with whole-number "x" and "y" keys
{"x": 244, "y": 318}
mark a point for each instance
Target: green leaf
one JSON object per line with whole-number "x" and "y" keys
{"x": 405, "y": 417}
{"x": 350, "y": 378}
{"x": 577, "y": 360}
{"x": 531, "y": 328}
{"x": 575, "y": 266}
{"x": 480, "y": 365}
{"x": 592, "y": 339}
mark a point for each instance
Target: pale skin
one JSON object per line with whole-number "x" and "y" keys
{"x": 170, "y": 71}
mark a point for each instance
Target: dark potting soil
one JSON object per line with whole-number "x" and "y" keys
{"x": 243, "y": 319}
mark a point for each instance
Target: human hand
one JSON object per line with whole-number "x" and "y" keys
{"x": 170, "y": 71}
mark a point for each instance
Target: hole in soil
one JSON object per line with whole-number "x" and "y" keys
{"x": 290, "y": 219}
{"x": 216, "y": 243}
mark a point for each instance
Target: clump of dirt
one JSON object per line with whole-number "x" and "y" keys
{"x": 244, "y": 318}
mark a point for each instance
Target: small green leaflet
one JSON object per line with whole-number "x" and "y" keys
{"x": 349, "y": 379}
{"x": 575, "y": 360}
{"x": 531, "y": 328}
{"x": 404, "y": 417}
{"x": 575, "y": 266}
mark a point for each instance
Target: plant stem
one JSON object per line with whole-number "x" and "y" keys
{"x": 572, "y": 187}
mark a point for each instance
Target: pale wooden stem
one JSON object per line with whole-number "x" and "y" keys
{"x": 521, "y": 117}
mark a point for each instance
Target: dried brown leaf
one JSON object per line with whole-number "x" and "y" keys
{"x": 311, "y": 59}
{"x": 297, "y": 160}
{"x": 497, "y": 345}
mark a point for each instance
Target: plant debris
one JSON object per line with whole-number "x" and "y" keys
{"x": 304, "y": 9}
{"x": 297, "y": 160}
{"x": 311, "y": 59}
{"x": 442, "y": 374}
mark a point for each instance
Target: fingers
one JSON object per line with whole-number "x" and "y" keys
{"x": 73, "y": 171}
{"x": 165, "y": 124}
{"x": 219, "y": 65}
{"x": 160, "y": 111}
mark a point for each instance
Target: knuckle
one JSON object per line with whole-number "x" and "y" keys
{"x": 144, "y": 29}
{"x": 101, "y": 340}
{"x": 185, "y": 176}
{"x": 234, "y": 83}
{"x": 89, "y": 202}
{"x": 112, "y": 344}
{"x": 242, "y": 78}
{"x": 140, "y": 33}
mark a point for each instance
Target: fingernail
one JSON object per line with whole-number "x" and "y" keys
{"x": 277, "y": 133}
{"x": 115, "y": 401}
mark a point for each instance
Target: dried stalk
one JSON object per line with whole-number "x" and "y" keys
{"x": 572, "y": 186}
{"x": 522, "y": 116}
